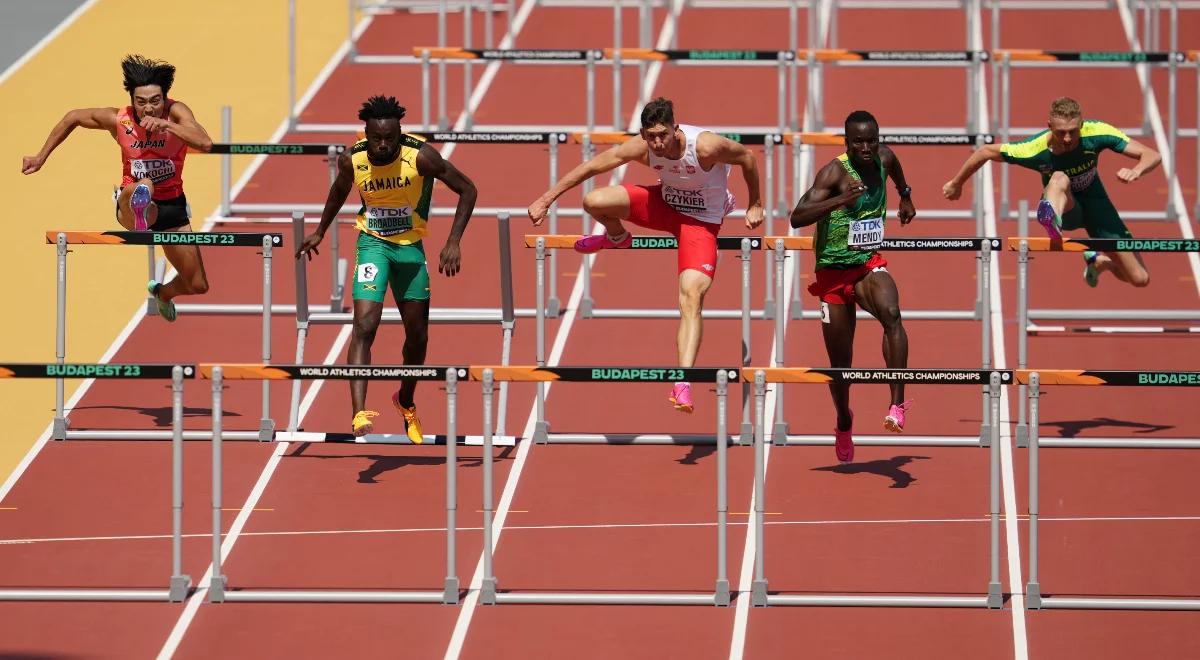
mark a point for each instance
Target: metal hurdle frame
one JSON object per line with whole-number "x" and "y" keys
{"x": 994, "y": 379}
{"x": 489, "y": 594}
{"x": 1035, "y": 379}
{"x": 543, "y": 244}
{"x": 505, "y": 316}
{"x": 180, "y": 584}
{"x": 1173, "y": 59}
{"x": 981, "y": 246}
{"x": 266, "y": 241}
{"x": 1025, "y": 315}
{"x": 218, "y": 587}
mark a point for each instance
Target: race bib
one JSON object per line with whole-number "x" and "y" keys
{"x": 684, "y": 201}
{"x": 155, "y": 169}
{"x": 387, "y": 220}
{"x": 866, "y": 234}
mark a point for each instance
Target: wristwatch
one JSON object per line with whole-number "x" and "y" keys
{"x": 905, "y": 192}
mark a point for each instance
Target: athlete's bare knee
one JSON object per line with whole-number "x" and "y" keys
{"x": 1139, "y": 279}
{"x": 364, "y": 330}
{"x": 889, "y": 316}
{"x": 1059, "y": 181}
{"x": 596, "y": 204}
{"x": 198, "y": 284}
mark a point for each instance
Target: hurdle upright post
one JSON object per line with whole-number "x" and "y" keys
{"x": 301, "y": 317}
{"x": 450, "y": 590}
{"x": 768, "y": 223}
{"x": 266, "y": 427}
{"x": 995, "y": 597}
{"x": 1005, "y": 110}
{"x": 541, "y": 429}
{"x": 468, "y": 81}
{"x": 779, "y": 431}
{"x": 758, "y": 594}
{"x": 721, "y": 592}
{"x": 180, "y": 583}
{"x": 1033, "y": 590}
{"x": 617, "y": 124}
{"x": 487, "y": 591}
{"x": 217, "y": 583}
{"x": 747, "y": 429}
{"x": 291, "y": 56}
{"x": 586, "y": 304}
{"x": 508, "y": 315}
{"x": 337, "y": 264}
{"x": 227, "y": 160}
{"x": 985, "y": 276}
{"x": 552, "y": 303}
{"x": 1022, "y": 319}
{"x": 1172, "y": 119}
{"x": 59, "y": 430}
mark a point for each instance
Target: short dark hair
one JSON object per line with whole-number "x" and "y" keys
{"x": 658, "y": 111}
{"x": 141, "y": 71}
{"x": 381, "y": 107}
{"x": 860, "y": 117}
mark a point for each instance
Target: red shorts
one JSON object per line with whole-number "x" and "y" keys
{"x": 836, "y": 285}
{"x": 697, "y": 239}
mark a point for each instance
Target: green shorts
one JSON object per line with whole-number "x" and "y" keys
{"x": 1098, "y": 216}
{"x": 379, "y": 263}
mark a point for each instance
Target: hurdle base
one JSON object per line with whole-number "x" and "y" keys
{"x": 181, "y": 586}
{"x": 995, "y": 597}
{"x": 216, "y": 589}
{"x": 59, "y": 430}
{"x": 388, "y": 438}
{"x": 1022, "y": 436}
{"x": 665, "y": 313}
{"x": 586, "y": 306}
{"x": 779, "y": 434}
{"x": 1121, "y": 443}
{"x": 553, "y": 308}
{"x": 541, "y": 433}
{"x": 635, "y": 439}
{"x": 1115, "y": 603}
{"x": 266, "y": 430}
{"x": 590, "y": 598}
{"x": 59, "y": 594}
{"x": 836, "y": 600}
{"x": 330, "y": 596}
{"x": 758, "y": 593}
{"x": 889, "y": 440}
{"x": 746, "y": 437}
{"x": 450, "y": 591}
{"x": 768, "y": 310}
{"x": 487, "y": 591}
{"x": 1033, "y": 596}
{"x": 721, "y": 594}
{"x": 985, "y": 435}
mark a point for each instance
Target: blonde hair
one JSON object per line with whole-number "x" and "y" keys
{"x": 1065, "y": 107}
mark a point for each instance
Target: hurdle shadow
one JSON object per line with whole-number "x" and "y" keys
{"x": 891, "y": 468}
{"x": 381, "y": 464}
{"x": 160, "y": 415}
{"x": 1072, "y": 428}
{"x": 696, "y": 453}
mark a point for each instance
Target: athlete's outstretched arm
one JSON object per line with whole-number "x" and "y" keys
{"x": 431, "y": 163}
{"x": 953, "y": 188}
{"x": 823, "y": 197}
{"x": 633, "y": 149}
{"x": 96, "y": 118}
{"x": 733, "y": 153}
{"x": 1146, "y": 157}
{"x": 338, "y": 191}
{"x": 183, "y": 125}
{"x": 907, "y": 211}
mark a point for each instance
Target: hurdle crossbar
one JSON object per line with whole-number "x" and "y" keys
{"x": 219, "y": 590}
{"x": 179, "y": 585}
{"x": 1007, "y": 59}
{"x": 62, "y": 239}
{"x": 994, "y": 379}
{"x": 489, "y": 594}
{"x": 1034, "y": 380}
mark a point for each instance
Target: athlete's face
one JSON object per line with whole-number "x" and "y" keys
{"x": 1064, "y": 133}
{"x": 149, "y": 101}
{"x": 383, "y": 140}
{"x": 862, "y": 142}
{"x": 663, "y": 141}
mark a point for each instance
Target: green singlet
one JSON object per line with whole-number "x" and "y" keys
{"x": 848, "y": 238}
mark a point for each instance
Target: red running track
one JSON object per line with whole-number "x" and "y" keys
{"x": 899, "y": 520}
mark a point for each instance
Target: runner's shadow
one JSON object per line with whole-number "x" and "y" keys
{"x": 890, "y": 468}
{"x": 1072, "y": 428}
{"x": 695, "y": 453}
{"x": 383, "y": 464}
{"x": 160, "y": 415}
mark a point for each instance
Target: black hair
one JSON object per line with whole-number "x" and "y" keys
{"x": 140, "y": 71}
{"x": 381, "y": 107}
{"x": 860, "y": 117}
{"x": 658, "y": 111}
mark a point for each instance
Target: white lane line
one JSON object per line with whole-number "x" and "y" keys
{"x": 45, "y": 41}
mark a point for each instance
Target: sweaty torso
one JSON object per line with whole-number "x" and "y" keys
{"x": 155, "y": 156}
{"x": 848, "y": 236}
{"x": 395, "y": 197}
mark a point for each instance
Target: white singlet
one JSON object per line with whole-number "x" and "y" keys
{"x": 688, "y": 188}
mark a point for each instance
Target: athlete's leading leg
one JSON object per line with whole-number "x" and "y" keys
{"x": 837, "y": 328}
{"x": 1056, "y": 202}
{"x": 416, "y": 342}
{"x": 877, "y": 293}
{"x": 366, "y": 322}
{"x": 693, "y": 285}
{"x": 136, "y": 210}
{"x": 609, "y": 206}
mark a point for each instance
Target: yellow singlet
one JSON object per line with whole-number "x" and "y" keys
{"x": 395, "y": 197}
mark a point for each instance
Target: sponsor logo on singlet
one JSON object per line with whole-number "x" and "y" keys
{"x": 865, "y": 234}
{"x": 155, "y": 169}
{"x": 388, "y": 220}
{"x": 684, "y": 201}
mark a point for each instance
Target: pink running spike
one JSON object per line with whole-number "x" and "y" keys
{"x": 138, "y": 202}
{"x": 843, "y": 442}
{"x": 1048, "y": 219}
{"x": 894, "y": 421}
{"x": 681, "y": 397}
{"x": 597, "y": 242}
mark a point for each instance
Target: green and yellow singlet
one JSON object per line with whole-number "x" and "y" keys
{"x": 849, "y": 237}
{"x": 395, "y": 197}
{"x": 1079, "y": 164}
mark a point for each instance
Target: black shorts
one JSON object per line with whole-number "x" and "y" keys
{"x": 172, "y": 213}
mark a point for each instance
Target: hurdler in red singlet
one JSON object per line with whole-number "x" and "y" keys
{"x": 154, "y": 133}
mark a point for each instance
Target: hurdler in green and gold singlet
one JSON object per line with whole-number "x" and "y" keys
{"x": 850, "y": 236}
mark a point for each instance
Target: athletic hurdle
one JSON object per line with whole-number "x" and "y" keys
{"x": 544, "y": 243}
{"x": 1009, "y": 59}
{"x": 1026, "y": 316}
{"x": 180, "y": 584}
{"x": 992, "y": 379}
{"x": 61, "y": 428}
{"x": 505, "y": 316}
{"x": 981, "y": 246}
{"x": 488, "y": 593}
{"x": 1034, "y": 379}
{"x": 218, "y": 587}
